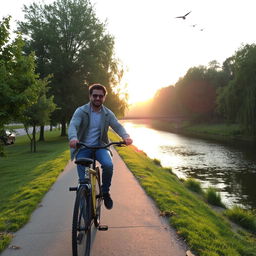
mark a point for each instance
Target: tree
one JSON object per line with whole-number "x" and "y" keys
{"x": 165, "y": 103}
{"x": 237, "y": 101}
{"x": 72, "y": 44}
{"x": 39, "y": 112}
{"x": 193, "y": 96}
{"x": 17, "y": 77}
{"x": 196, "y": 94}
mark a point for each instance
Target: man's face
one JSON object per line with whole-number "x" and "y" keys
{"x": 97, "y": 98}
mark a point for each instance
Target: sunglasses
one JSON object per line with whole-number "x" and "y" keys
{"x": 95, "y": 96}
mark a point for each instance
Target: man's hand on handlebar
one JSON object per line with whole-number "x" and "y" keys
{"x": 128, "y": 141}
{"x": 73, "y": 143}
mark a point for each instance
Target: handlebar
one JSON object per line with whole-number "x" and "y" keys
{"x": 118, "y": 143}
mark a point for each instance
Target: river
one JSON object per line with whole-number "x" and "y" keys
{"x": 229, "y": 168}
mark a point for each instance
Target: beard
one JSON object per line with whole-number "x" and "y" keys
{"x": 96, "y": 103}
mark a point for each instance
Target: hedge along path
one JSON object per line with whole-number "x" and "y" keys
{"x": 23, "y": 199}
{"x": 205, "y": 231}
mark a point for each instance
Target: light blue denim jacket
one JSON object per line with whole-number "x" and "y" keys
{"x": 78, "y": 127}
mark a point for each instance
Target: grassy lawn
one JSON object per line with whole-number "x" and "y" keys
{"x": 207, "y": 233}
{"x": 26, "y": 177}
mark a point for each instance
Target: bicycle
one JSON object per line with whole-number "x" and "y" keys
{"x": 88, "y": 202}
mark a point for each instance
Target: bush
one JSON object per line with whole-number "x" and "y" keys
{"x": 213, "y": 197}
{"x": 242, "y": 217}
{"x": 193, "y": 185}
{"x": 157, "y": 162}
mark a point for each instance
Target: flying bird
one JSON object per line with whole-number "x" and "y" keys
{"x": 193, "y": 25}
{"x": 184, "y": 16}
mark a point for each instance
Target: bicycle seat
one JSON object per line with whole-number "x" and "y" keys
{"x": 84, "y": 161}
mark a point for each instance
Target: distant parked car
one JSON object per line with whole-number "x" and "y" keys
{"x": 7, "y": 137}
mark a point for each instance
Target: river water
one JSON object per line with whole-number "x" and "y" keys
{"x": 229, "y": 168}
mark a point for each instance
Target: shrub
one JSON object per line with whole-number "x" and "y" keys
{"x": 193, "y": 185}
{"x": 242, "y": 217}
{"x": 157, "y": 162}
{"x": 213, "y": 197}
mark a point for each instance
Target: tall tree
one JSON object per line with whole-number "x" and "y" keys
{"x": 196, "y": 94}
{"x": 17, "y": 76}
{"x": 70, "y": 42}
{"x": 193, "y": 96}
{"x": 165, "y": 103}
{"x": 238, "y": 100}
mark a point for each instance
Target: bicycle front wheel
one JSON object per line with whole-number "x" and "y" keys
{"x": 81, "y": 227}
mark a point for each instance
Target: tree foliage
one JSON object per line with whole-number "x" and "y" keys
{"x": 18, "y": 87}
{"x": 214, "y": 92}
{"x": 71, "y": 43}
{"x": 165, "y": 102}
{"x": 193, "y": 96}
{"x": 38, "y": 114}
{"x": 237, "y": 101}
{"x": 17, "y": 76}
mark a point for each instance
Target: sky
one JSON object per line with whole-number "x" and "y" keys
{"x": 155, "y": 48}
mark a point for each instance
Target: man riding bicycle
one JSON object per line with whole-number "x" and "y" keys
{"x": 89, "y": 124}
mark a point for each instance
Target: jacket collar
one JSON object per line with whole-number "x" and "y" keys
{"x": 86, "y": 108}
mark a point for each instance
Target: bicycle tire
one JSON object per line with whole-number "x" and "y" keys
{"x": 98, "y": 198}
{"x": 81, "y": 226}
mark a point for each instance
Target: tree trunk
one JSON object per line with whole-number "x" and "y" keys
{"x": 63, "y": 127}
{"x": 31, "y": 145}
{"x": 34, "y": 138}
{"x": 1, "y": 150}
{"x": 41, "y": 137}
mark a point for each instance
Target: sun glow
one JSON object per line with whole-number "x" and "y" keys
{"x": 139, "y": 93}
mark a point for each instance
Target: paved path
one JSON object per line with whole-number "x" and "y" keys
{"x": 135, "y": 227}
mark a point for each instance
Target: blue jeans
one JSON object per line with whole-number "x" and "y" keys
{"x": 104, "y": 158}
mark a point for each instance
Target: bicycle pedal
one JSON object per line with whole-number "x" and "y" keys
{"x": 102, "y": 227}
{"x": 72, "y": 188}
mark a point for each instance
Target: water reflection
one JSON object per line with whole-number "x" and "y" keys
{"x": 231, "y": 169}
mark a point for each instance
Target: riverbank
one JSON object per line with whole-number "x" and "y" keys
{"x": 231, "y": 133}
{"x": 207, "y": 233}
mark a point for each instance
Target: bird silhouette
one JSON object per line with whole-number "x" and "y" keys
{"x": 184, "y": 16}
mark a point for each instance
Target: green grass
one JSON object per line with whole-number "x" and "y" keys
{"x": 26, "y": 177}
{"x": 157, "y": 162}
{"x": 207, "y": 233}
{"x": 213, "y": 197}
{"x": 242, "y": 217}
{"x": 211, "y": 130}
{"x": 194, "y": 185}
{"x": 216, "y": 129}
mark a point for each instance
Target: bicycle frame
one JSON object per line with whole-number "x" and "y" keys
{"x": 93, "y": 179}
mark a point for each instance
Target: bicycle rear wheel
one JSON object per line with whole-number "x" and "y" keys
{"x": 98, "y": 198}
{"x": 81, "y": 226}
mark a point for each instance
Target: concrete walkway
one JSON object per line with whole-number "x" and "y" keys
{"x": 135, "y": 227}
